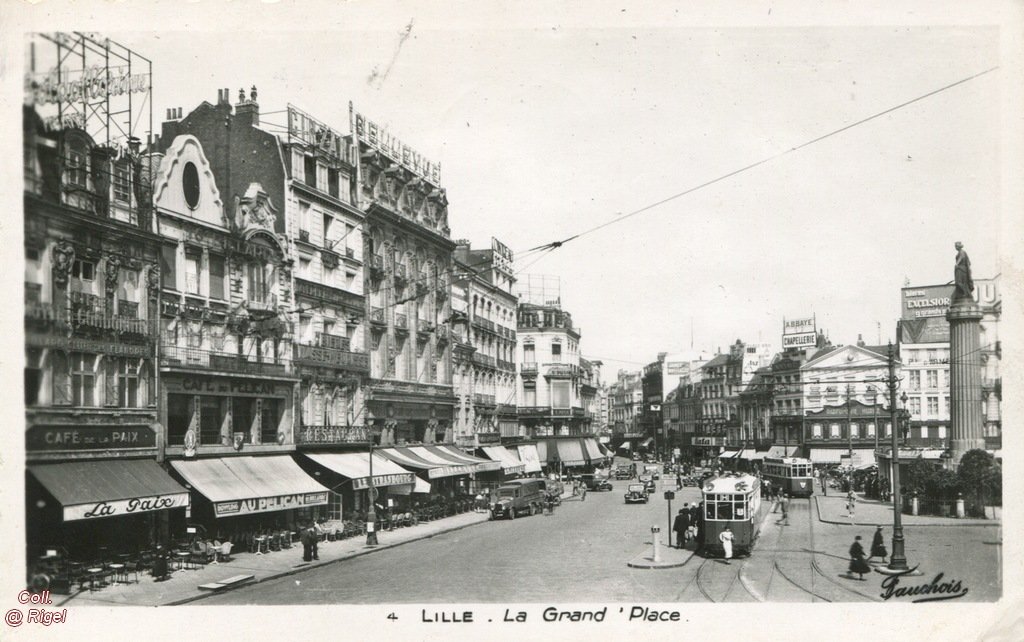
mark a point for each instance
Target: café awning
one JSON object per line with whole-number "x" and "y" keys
{"x": 455, "y": 454}
{"x": 567, "y": 451}
{"x": 243, "y": 485}
{"x": 419, "y": 458}
{"x": 728, "y": 454}
{"x": 592, "y": 451}
{"x": 625, "y": 446}
{"x": 92, "y": 489}
{"x": 510, "y": 464}
{"x": 356, "y": 466}
{"x": 530, "y": 458}
{"x": 419, "y": 486}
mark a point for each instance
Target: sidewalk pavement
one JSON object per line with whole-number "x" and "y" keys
{"x": 832, "y": 510}
{"x": 669, "y": 557}
{"x": 183, "y": 585}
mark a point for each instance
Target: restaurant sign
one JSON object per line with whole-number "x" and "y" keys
{"x": 449, "y": 471}
{"x": 89, "y": 437}
{"x": 398, "y": 479}
{"x": 709, "y": 441}
{"x": 267, "y": 504}
{"x": 129, "y": 506}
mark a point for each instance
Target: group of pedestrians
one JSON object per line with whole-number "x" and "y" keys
{"x": 689, "y": 524}
{"x": 310, "y": 538}
{"x": 858, "y": 562}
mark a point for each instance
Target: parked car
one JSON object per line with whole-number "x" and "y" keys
{"x": 594, "y": 482}
{"x": 648, "y": 483}
{"x": 636, "y": 493}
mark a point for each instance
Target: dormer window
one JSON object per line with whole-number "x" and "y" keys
{"x": 77, "y": 166}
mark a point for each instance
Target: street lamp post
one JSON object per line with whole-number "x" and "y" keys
{"x": 898, "y": 560}
{"x": 849, "y": 432}
{"x": 371, "y": 513}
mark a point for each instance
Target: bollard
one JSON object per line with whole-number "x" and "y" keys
{"x": 914, "y": 506}
{"x": 960, "y": 511}
{"x": 654, "y": 536}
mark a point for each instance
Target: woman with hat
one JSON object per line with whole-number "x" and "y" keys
{"x": 858, "y": 564}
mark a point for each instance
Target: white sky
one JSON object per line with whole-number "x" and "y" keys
{"x": 547, "y": 126}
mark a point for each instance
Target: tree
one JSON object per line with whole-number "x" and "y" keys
{"x": 979, "y": 476}
{"x": 919, "y": 474}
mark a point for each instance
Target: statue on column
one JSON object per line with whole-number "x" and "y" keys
{"x": 964, "y": 284}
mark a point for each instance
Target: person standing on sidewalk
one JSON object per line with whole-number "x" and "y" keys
{"x": 851, "y": 504}
{"x": 878, "y": 545}
{"x": 317, "y": 532}
{"x": 307, "y": 545}
{"x": 681, "y": 526}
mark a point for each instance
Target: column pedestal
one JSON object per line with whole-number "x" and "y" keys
{"x": 965, "y": 409}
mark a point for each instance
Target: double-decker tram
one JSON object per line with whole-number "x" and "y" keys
{"x": 791, "y": 474}
{"x": 732, "y": 500}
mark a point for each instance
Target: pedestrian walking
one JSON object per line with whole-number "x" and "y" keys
{"x": 784, "y": 502}
{"x": 851, "y": 504}
{"x": 479, "y": 503}
{"x": 681, "y": 526}
{"x": 766, "y": 489}
{"x": 857, "y": 563}
{"x": 725, "y": 537}
{"x": 679, "y": 481}
{"x": 583, "y": 492}
{"x": 878, "y": 545}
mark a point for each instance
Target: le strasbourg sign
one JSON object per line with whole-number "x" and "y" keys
{"x": 129, "y": 506}
{"x": 266, "y": 504}
{"x": 383, "y": 480}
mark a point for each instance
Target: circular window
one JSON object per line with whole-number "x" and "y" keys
{"x": 190, "y": 184}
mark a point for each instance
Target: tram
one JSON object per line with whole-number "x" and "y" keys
{"x": 791, "y": 474}
{"x": 732, "y": 500}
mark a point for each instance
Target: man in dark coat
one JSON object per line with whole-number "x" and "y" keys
{"x": 700, "y": 525}
{"x": 681, "y": 526}
{"x": 307, "y": 544}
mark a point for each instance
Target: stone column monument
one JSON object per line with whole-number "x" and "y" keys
{"x": 964, "y": 318}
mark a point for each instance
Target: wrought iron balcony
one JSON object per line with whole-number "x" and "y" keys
{"x": 534, "y": 411}
{"x": 528, "y": 369}
{"x": 47, "y": 317}
{"x": 180, "y": 357}
{"x": 483, "y": 400}
{"x": 484, "y": 324}
{"x": 315, "y": 435}
{"x": 483, "y": 359}
{"x": 332, "y": 357}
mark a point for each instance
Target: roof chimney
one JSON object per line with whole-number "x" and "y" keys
{"x": 860, "y": 340}
{"x": 223, "y": 97}
{"x": 248, "y": 110}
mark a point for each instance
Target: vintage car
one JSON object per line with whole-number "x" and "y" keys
{"x": 636, "y": 493}
{"x": 648, "y": 483}
{"x": 653, "y": 470}
{"x": 519, "y": 496}
{"x": 623, "y": 473}
{"x": 595, "y": 482}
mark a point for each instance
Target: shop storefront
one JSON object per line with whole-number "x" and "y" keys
{"x": 447, "y": 479}
{"x": 97, "y": 508}
{"x": 560, "y": 454}
{"x": 592, "y": 450}
{"x": 706, "y": 450}
{"x": 238, "y": 497}
{"x": 347, "y": 475}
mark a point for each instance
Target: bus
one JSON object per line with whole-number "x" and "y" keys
{"x": 732, "y": 500}
{"x": 790, "y": 474}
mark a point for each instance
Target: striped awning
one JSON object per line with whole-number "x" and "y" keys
{"x": 435, "y": 467}
{"x": 510, "y": 464}
{"x": 593, "y": 451}
{"x": 482, "y": 465}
